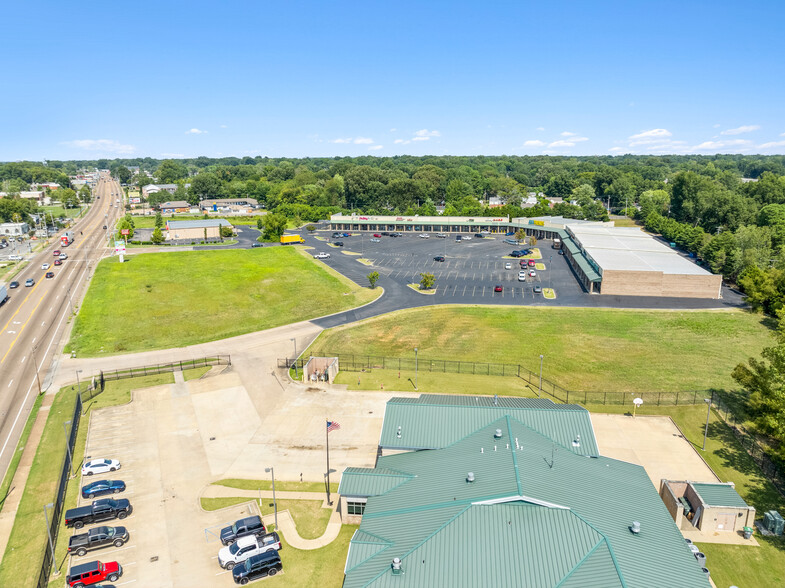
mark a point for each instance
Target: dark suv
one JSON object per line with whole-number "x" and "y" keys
{"x": 242, "y": 528}
{"x": 257, "y": 566}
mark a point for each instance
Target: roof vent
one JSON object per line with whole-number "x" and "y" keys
{"x": 396, "y": 566}
{"x": 498, "y": 434}
{"x": 399, "y": 432}
{"x": 577, "y": 441}
{"x": 496, "y": 400}
{"x": 635, "y": 528}
{"x": 470, "y": 477}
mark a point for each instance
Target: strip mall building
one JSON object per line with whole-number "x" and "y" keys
{"x": 606, "y": 259}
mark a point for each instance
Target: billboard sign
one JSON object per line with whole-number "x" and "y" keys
{"x": 119, "y": 247}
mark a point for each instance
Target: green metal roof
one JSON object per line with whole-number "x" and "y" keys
{"x": 536, "y": 515}
{"x": 432, "y": 421}
{"x": 370, "y": 481}
{"x": 587, "y": 268}
{"x": 719, "y": 495}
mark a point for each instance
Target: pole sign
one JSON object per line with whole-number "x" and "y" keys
{"x": 125, "y": 231}
{"x": 119, "y": 247}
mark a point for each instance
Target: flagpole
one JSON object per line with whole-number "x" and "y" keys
{"x": 327, "y": 437}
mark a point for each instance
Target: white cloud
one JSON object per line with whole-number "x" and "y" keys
{"x": 712, "y": 145}
{"x": 425, "y": 134}
{"x": 771, "y": 144}
{"x": 223, "y": 126}
{"x": 375, "y": 147}
{"x": 362, "y": 141}
{"x": 568, "y": 134}
{"x": 105, "y": 145}
{"x": 540, "y": 128}
{"x": 650, "y": 136}
{"x": 393, "y": 130}
{"x": 561, "y": 143}
{"x": 348, "y": 140}
{"x": 782, "y": 134}
{"x": 740, "y": 130}
{"x": 195, "y": 132}
{"x": 533, "y": 143}
{"x": 421, "y": 138}
{"x": 401, "y": 142}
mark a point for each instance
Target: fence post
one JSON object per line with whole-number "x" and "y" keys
{"x": 677, "y": 398}
{"x": 568, "y": 397}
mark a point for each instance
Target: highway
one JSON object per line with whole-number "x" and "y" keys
{"x": 34, "y": 319}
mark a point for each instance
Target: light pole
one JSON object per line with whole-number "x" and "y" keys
{"x": 550, "y": 267}
{"x": 68, "y": 444}
{"x": 540, "y": 392}
{"x": 295, "y": 357}
{"x": 79, "y": 390}
{"x": 706, "y": 430}
{"x": 415, "y": 368}
{"x": 49, "y": 534}
{"x": 271, "y": 471}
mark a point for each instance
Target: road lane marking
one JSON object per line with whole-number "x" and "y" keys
{"x": 9, "y": 383}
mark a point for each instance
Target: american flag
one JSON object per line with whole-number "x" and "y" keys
{"x": 332, "y": 426}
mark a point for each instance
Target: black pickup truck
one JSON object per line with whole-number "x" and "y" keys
{"x": 100, "y": 510}
{"x": 242, "y": 528}
{"x": 97, "y": 538}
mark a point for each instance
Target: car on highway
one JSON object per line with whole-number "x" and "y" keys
{"x": 62, "y": 256}
{"x": 13, "y": 285}
{"x": 507, "y": 266}
{"x": 377, "y": 235}
{"x": 58, "y": 262}
{"x": 56, "y": 252}
{"x": 322, "y": 255}
{"x": 498, "y": 288}
{"x": 424, "y": 236}
{"x": 538, "y": 289}
{"x": 100, "y": 466}
{"x": 50, "y": 275}
{"x": 338, "y": 243}
{"x": 45, "y": 266}
{"x": 375, "y": 240}
{"x": 29, "y": 282}
{"x": 102, "y": 487}
{"x": 532, "y": 273}
{"x": 104, "y": 227}
{"x": 521, "y": 276}
{"x": 439, "y": 258}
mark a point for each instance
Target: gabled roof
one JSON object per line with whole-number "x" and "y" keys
{"x": 370, "y": 481}
{"x": 176, "y": 204}
{"x": 432, "y": 421}
{"x": 536, "y": 515}
{"x": 719, "y": 495}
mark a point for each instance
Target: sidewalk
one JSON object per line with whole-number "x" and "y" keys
{"x": 285, "y": 522}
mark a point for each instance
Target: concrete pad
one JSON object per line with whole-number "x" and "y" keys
{"x": 653, "y": 442}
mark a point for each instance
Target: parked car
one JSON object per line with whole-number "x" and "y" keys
{"x": 479, "y": 236}
{"x": 439, "y": 258}
{"x": 245, "y": 547}
{"x": 377, "y": 235}
{"x": 531, "y": 263}
{"x": 466, "y": 238}
{"x": 375, "y": 240}
{"x": 538, "y": 289}
{"x": 458, "y": 238}
{"x": 521, "y": 276}
{"x": 50, "y": 275}
{"x": 441, "y": 235}
{"x": 29, "y": 282}
{"x": 322, "y": 255}
{"x": 257, "y": 566}
{"x": 97, "y": 538}
{"x": 13, "y": 285}
{"x": 507, "y": 266}
{"x": 498, "y": 288}
{"x": 242, "y": 528}
{"x": 255, "y": 245}
{"x": 58, "y": 262}
{"x": 15, "y": 257}
{"x": 338, "y": 243}
{"x": 102, "y": 487}
{"x": 561, "y": 251}
{"x": 516, "y": 254}
{"x": 104, "y": 509}
{"x": 532, "y": 273}
{"x": 396, "y": 234}
{"x": 100, "y": 466}
{"x": 335, "y": 236}
{"x": 45, "y": 266}
{"x": 424, "y": 236}
{"x": 346, "y": 234}
{"x": 92, "y": 573}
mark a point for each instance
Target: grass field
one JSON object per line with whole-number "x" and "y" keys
{"x": 24, "y": 552}
{"x": 162, "y": 300}
{"x": 59, "y": 211}
{"x": 280, "y": 485}
{"x": 584, "y": 349}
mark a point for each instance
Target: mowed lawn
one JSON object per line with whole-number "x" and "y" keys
{"x": 162, "y": 300}
{"x": 583, "y": 349}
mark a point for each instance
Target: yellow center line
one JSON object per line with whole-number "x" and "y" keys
{"x": 32, "y": 314}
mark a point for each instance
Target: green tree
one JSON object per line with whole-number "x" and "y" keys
{"x": 159, "y": 220}
{"x": 427, "y": 281}
{"x": 373, "y": 277}
{"x": 457, "y": 190}
{"x": 583, "y": 195}
{"x": 274, "y": 226}
{"x": 204, "y": 185}
{"x": 428, "y": 208}
{"x": 520, "y": 235}
{"x": 84, "y": 194}
{"x": 124, "y": 223}
{"x": 170, "y": 171}
{"x": 157, "y": 237}
{"x": 123, "y": 174}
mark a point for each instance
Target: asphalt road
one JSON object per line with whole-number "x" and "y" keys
{"x": 35, "y": 318}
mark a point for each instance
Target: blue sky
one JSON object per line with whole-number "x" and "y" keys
{"x": 163, "y": 79}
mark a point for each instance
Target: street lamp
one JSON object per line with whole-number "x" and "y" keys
{"x": 415, "y": 368}
{"x": 295, "y": 357}
{"x": 79, "y": 390}
{"x": 49, "y": 534}
{"x": 271, "y": 471}
{"x": 706, "y": 430}
{"x": 540, "y": 392}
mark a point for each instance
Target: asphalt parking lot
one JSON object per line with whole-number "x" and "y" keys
{"x": 469, "y": 274}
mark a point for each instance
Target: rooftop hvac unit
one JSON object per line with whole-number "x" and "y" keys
{"x": 774, "y": 522}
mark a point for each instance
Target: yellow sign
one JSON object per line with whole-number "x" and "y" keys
{"x": 539, "y": 223}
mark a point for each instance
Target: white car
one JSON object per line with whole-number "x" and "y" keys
{"x": 100, "y": 466}
{"x": 466, "y": 238}
{"x": 322, "y": 255}
{"x": 441, "y": 235}
{"x": 425, "y": 236}
{"x": 507, "y": 266}
{"x": 15, "y": 257}
{"x": 521, "y": 276}
{"x": 63, "y": 256}
{"x": 245, "y": 547}
{"x": 375, "y": 240}
{"x": 532, "y": 273}
{"x": 45, "y": 266}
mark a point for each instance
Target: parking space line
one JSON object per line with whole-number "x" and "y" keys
{"x": 124, "y": 583}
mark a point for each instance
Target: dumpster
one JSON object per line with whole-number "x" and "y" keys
{"x": 748, "y": 532}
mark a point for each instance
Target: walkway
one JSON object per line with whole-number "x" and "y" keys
{"x": 286, "y": 524}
